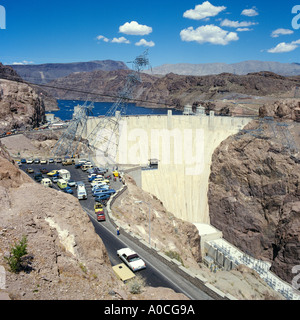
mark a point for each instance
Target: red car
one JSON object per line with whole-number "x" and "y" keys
{"x": 101, "y": 216}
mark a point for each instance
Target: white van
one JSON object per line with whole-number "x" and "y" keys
{"x": 46, "y": 182}
{"x": 64, "y": 174}
{"x": 62, "y": 184}
{"x": 81, "y": 192}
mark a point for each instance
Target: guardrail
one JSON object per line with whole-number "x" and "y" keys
{"x": 175, "y": 265}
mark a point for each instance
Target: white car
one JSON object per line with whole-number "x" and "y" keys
{"x": 43, "y": 161}
{"x": 29, "y": 161}
{"x": 131, "y": 259}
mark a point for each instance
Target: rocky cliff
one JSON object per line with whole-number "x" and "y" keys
{"x": 21, "y": 105}
{"x": 254, "y": 191}
{"x": 173, "y": 90}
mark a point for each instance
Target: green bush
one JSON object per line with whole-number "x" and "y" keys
{"x": 16, "y": 253}
{"x": 174, "y": 255}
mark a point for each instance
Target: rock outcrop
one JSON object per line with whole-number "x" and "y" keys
{"x": 254, "y": 194}
{"x": 20, "y": 106}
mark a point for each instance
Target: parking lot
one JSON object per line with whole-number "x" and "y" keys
{"x": 76, "y": 175}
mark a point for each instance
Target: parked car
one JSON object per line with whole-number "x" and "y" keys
{"x": 43, "y": 161}
{"x": 78, "y": 165}
{"x": 29, "y": 161}
{"x": 29, "y": 170}
{"x": 79, "y": 183}
{"x": 38, "y": 177}
{"x": 46, "y": 182}
{"x": 71, "y": 183}
{"x": 51, "y": 160}
{"x": 36, "y": 160}
{"x": 55, "y": 179}
{"x": 131, "y": 259}
{"x": 23, "y": 160}
{"x": 101, "y": 187}
{"x": 102, "y": 197}
{"x": 58, "y": 160}
{"x": 53, "y": 173}
{"x": 44, "y": 170}
{"x": 68, "y": 190}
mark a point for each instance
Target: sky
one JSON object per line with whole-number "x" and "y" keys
{"x": 174, "y": 31}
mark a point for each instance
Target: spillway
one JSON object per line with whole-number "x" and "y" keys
{"x": 184, "y": 146}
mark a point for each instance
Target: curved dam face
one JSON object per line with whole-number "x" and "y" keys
{"x": 183, "y": 146}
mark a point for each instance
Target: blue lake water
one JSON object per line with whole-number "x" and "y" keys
{"x": 66, "y": 109}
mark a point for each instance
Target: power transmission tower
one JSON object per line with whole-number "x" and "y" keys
{"x": 103, "y": 140}
{"x": 68, "y": 143}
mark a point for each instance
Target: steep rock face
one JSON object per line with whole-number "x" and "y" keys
{"x": 287, "y": 109}
{"x": 254, "y": 198}
{"x": 20, "y": 106}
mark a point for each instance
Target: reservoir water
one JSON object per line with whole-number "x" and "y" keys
{"x": 66, "y": 109}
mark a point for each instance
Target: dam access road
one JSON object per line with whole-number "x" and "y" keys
{"x": 157, "y": 274}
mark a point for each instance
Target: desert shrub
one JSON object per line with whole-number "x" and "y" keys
{"x": 16, "y": 253}
{"x": 174, "y": 255}
{"x": 136, "y": 285}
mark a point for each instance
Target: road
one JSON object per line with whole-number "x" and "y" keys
{"x": 157, "y": 274}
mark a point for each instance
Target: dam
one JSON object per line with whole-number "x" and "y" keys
{"x": 183, "y": 145}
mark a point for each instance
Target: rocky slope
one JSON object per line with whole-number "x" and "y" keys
{"x": 44, "y": 73}
{"x": 173, "y": 90}
{"x": 254, "y": 194}
{"x": 66, "y": 260}
{"x": 241, "y": 68}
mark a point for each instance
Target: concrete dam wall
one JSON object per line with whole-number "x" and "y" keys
{"x": 183, "y": 146}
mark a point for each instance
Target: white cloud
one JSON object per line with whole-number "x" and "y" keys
{"x": 102, "y": 38}
{"x": 276, "y": 33}
{"x": 243, "y": 29}
{"x": 209, "y": 33}
{"x": 120, "y": 40}
{"x": 202, "y": 11}
{"x": 24, "y": 62}
{"x": 250, "y": 12}
{"x": 237, "y": 24}
{"x": 285, "y": 47}
{"x": 134, "y": 28}
{"x": 145, "y": 43}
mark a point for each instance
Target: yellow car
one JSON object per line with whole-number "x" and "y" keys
{"x": 116, "y": 173}
{"x": 98, "y": 207}
{"x": 52, "y": 173}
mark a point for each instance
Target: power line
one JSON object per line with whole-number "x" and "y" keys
{"x": 84, "y": 92}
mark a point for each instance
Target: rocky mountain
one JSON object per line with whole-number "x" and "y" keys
{"x": 174, "y": 90}
{"x": 254, "y": 189}
{"x": 241, "y": 68}
{"x": 44, "y": 73}
{"x": 21, "y": 105}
